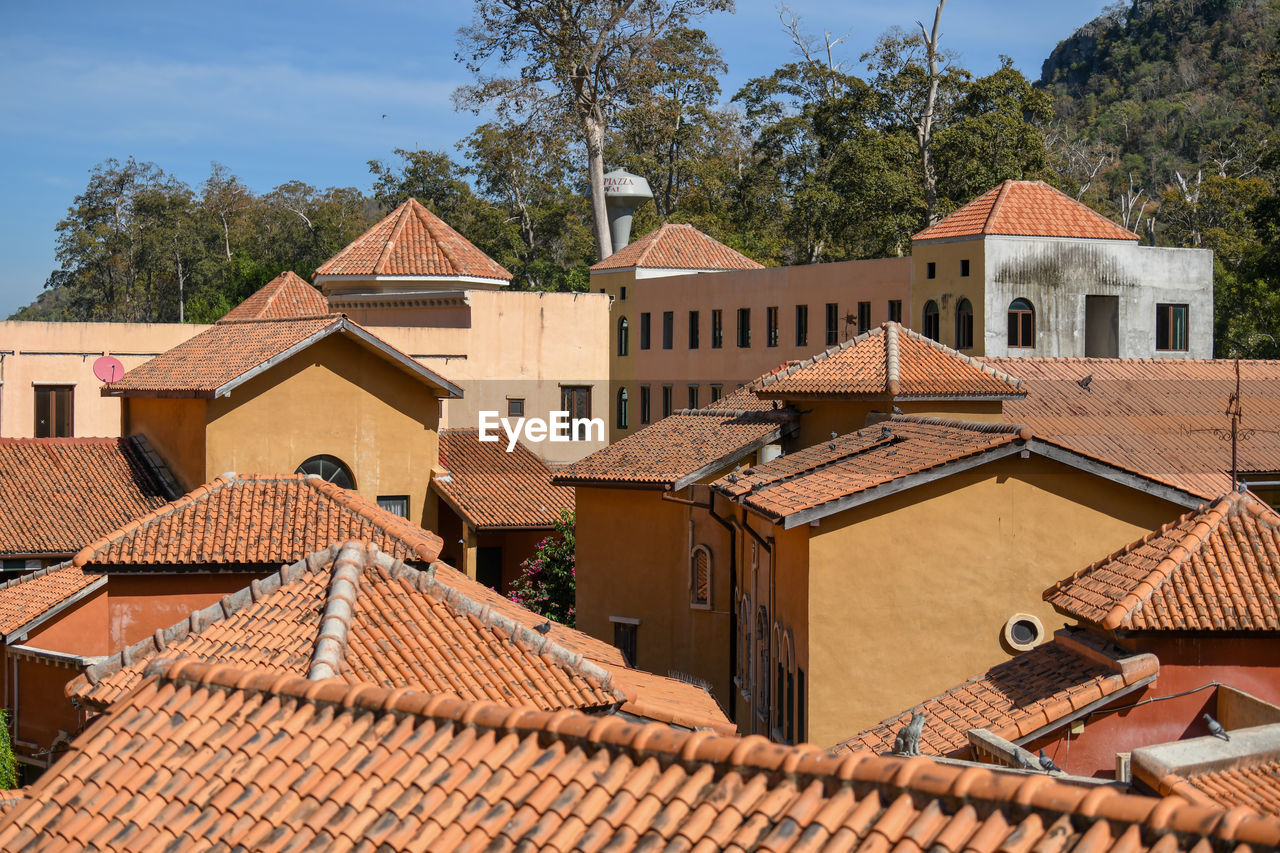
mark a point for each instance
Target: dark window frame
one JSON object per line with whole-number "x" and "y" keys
{"x": 515, "y": 407}
{"x": 964, "y": 267}
{"x": 693, "y": 396}
{"x": 931, "y": 269}
{"x": 645, "y": 402}
{"x": 388, "y": 503}
{"x": 570, "y": 395}
{"x": 864, "y": 317}
{"x": 57, "y": 403}
{"x": 717, "y": 329}
{"x": 744, "y": 328}
{"x": 771, "y": 325}
{"x": 626, "y": 640}
{"x": 668, "y": 400}
{"x": 624, "y": 336}
{"x": 930, "y": 321}
{"x": 833, "y": 323}
{"x": 895, "y": 310}
{"x": 1166, "y": 328}
{"x": 339, "y": 471}
{"x": 802, "y": 325}
{"x": 624, "y": 414}
{"x": 668, "y": 329}
{"x": 964, "y": 324}
{"x": 645, "y": 321}
{"x": 694, "y": 330}
{"x": 1022, "y": 324}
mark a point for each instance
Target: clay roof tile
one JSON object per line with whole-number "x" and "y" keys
{"x": 493, "y": 489}
{"x": 1026, "y": 209}
{"x": 649, "y": 785}
{"x": 681, "y": 247}
{"x": 285, "y": 296}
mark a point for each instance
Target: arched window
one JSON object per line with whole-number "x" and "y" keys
{"x": 624, "y": 344}
{"x": 762, "y": 668}
{"x": 930, "y": 327}
{"x": 744, "y": 644}
{"x": 700, "y": 578}
{"x": 964, "y": 325}
{"x": 330, "y": 469}
{"x": 623, "y": 415}
{"x": 1022, "y": 324}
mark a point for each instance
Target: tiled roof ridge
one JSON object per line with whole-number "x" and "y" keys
{"x": 340, "y": 603}
{"x": 988, "y": 791}
{"x": 331, "y": 644}
{"x": 199, "y": 493}
{"x": 246, "y": 321}
{"x": 890, "y": 329}
{"x": 402, "y": 215}
{"x": 1209, "y": 517}
{"x": 198, "y": 620}
{"x": 1023, "y": 431}
{"x": 38, "y": 573}
{"x": 995, "y": 205}
{"x": 540, "y": 644}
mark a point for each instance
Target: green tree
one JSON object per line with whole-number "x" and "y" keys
{"x": 576, "y": 63}
{"x": 8, "y": 763}
{"x": 546, "y": 582}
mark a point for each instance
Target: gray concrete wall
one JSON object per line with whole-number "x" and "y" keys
{"x": 1056, "y": 275}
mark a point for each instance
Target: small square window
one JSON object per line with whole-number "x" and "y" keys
{"x": 515, "y": 407}
{"x": 395, "y": 504}
{"x": 1171, "y": 327}
{"x": 717, "y": 391}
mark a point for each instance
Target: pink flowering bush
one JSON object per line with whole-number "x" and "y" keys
{"x": 546, "y": 581}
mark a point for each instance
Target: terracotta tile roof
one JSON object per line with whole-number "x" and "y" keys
{"x": 230, "y": 352}
{"x": 1214, "y": 569}
{"x": 285, "y": 296}
{"x": 1241, "y": 772}
{"x": 25, "y": 599}
{"x": 889, "y": 361}
{"x": 681, "y": 448}
{"x": 677, "y": 247}
{"x": 203, "y": 756}
{"x": 270, "y": 519}
{"x": 1026, "y": 209}
{"x": 654, "y": 697}
{"x": 1039, "y": 688}
{"x": 858, "y": 461}
{"x": 1159, "y": 416}
{"x": 354, "y": 613}
{"x": 493, "y": 489}
{"x": 56, "y": 494}
{"x": 413, "y": 241}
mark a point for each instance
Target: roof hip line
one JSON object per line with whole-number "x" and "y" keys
{"x": 335, "y": 624}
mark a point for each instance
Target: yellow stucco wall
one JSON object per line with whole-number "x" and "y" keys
{"x": 63, "y": 354}
{"x": 908, "y": 594}
{"x": 337, "y": 398}
{"x": 175, "y": 428}
{"x": 948, "y": 287}
{"x": 632, "y": 560}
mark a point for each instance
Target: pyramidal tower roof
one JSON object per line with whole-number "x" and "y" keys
{"x": 1026, "y": 209}
{"x": 679, "y": 247}
{"x": 287, "y": 296}
{"x": 412, "y": 242}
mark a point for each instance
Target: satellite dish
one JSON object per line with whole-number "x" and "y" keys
{"x": 108, "y": 368}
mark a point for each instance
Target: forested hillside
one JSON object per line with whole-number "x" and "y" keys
{"x": 1165, "y": 119}
{"x": 1160, "y": 113}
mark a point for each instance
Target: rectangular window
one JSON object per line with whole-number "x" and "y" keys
{"x": 515, "y": 407}
{"x": 717, "y": 329}
{"x": 1171, "y": 327}
{"x": 489, "y": 566}
{"x": 693, "y": 396}
{"x": 801, "y": 727}
{"x": 964, "y": 268}
{"x": 576, "y": 400}
{"x": 833, "y": 324}
{"x": 693, "y": 330}
{"x": 864, "y": 316}
{"x": 931, "y": 270}
{"x": 395, "y": 504}
{"x": 895, "y": 310}
{"x": 717, "y": 391}
{"x": 623, "y": 294}
{"x": 644, "y": 330}
{"x": 54, "y": 416}
{"x": 668, "y": 328}
{"x": 644, "y": 404}
{"x": 744, "y": 328}
{"x": 771, "y": 324}
{"x": 802, "y": 325}
{"x": 667, "y": 400}
{"x": 624, "y": 638}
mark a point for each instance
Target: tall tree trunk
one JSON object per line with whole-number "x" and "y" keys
{"x": 593, "y": 127}
{"x": 924, "y": 128}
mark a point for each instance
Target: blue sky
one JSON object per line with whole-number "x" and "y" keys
{"x": 279, "y": 90}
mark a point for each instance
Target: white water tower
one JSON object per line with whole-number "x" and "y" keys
{"x": 623, "y": 193}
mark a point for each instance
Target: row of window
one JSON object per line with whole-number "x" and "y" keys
{"x": 766, "y": 655}
{"x": 1171, "y": 325}
{"x": 772, "y": 326}
{"x": 931, "y": 269}
{"x": 668, "y": 402}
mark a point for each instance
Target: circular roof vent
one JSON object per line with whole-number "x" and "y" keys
{"x": 1023, "y": 631}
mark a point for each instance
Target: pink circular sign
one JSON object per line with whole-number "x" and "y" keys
{"x": 108, "y": 368}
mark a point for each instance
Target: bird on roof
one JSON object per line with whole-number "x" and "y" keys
{"x": 1084, "y": 383}
{"x": 1047, "y": 765}
{"x": 732, "y": 478}
{"x": 885, "y": 431}
{"x": 543, "y": 628}
{"x": 833, "y": 435}
{"x": 1024, "y": 759}
{"x": 897, "y": 410}
{"x": 1215, "y": 727}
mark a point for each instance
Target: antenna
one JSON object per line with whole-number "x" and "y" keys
{"x": 1235, "y": 434}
